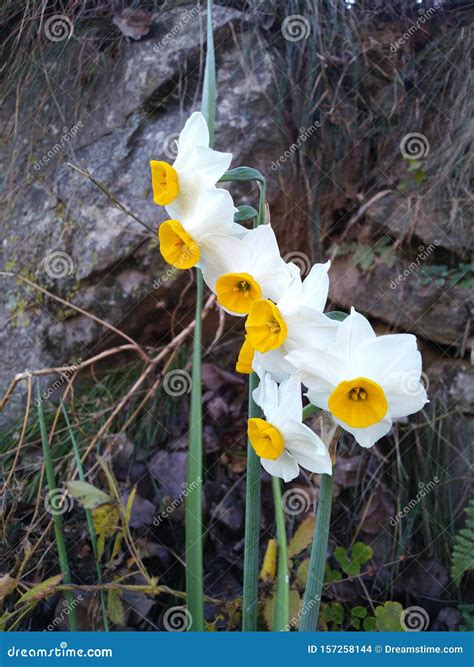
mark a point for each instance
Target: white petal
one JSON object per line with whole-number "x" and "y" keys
{"x": 228, "y": 253}
{"x": 386, "y": 358}
{"x": 366, "y": 437}
{"x": 195, "y": 131}
{"x": 306, "y": 447}
{"x": 318, "y": 369}
{"x": 309, "y": 328}
{"x": 275, "y": 364}
{"x": 266, "y": 396}
{"x": 290, "y": 401}
{"x": 353, "y": 331}
{"x": 212, "y": 214}
{"x": 285, "y": 467}
{"x": 316, "y": 287}
{"x": 405, "y": 397}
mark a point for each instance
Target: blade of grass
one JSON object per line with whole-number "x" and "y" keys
{"x": 193, "y": 502}
{"x": 90, "y": 523}
{"x": 281, "y": 609}
{"x": 57, "y": 521}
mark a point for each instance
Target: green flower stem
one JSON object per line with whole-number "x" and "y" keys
{"x": 252, "y": 525}
{"x": 193, "y": 502}
{"x": 90, "y": 523}
{"x": 57, "y": 520}
{"x": 281, "y": 609}
{"x": 315, "y": 580}
{"x": 252, "y": 493}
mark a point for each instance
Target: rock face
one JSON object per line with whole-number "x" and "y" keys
{"x": 66, "y": 235}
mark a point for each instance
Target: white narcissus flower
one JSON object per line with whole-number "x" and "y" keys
{"x": 282, "y": 441}
{"x": 245, "y": 269}
{"x": 363, "y": 380}
{"x": 295, "y": 321}
{"x": 183, "y": 243}
{"x": 197, "y": 168}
